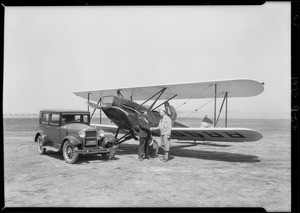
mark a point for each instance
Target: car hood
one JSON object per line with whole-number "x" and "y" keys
{"x": 76, "y": 127}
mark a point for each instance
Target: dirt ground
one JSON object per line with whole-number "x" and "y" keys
{"x": 202, "y": 175}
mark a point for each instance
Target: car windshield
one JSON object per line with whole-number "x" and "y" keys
{"x": 75, "y": 118}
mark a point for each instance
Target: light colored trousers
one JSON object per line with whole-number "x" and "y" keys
{"x": 165, "y": 142}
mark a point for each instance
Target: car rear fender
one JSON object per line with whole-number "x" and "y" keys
{"x": 41, "y": 133}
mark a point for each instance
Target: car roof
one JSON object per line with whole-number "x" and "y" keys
{"x": 72, "y": 111}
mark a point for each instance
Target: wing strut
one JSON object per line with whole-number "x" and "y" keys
{"x": 88, "y": 107}
{"x": 96, "y": 108}
{"x": 225, "y": 98}
{"x": 215, "y": 109}
{"x": 157, "y": 99}
{"x": 120, "y": 94}
{"x": 226, "y": 109}
{"x": 129, "y": 135}
{"x": 160, "y": 92}
{"x": 165, "y": 102}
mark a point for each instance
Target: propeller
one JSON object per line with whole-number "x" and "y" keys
{"x": 93, "y": 105}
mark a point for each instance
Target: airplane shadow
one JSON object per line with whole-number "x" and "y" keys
{"x": 178, "y": 151}
{"x": 205, "y": 144}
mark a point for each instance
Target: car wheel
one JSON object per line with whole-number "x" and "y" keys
{"x": 40, "y": 148}
{"x": 69, "y": 153}
{"x": 111, "y": 154}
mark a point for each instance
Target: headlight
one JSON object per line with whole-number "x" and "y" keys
{"x": 101, "y": 133}
{"x": 81, "y": 134}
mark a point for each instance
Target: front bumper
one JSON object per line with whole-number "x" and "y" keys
{"x": 92, "y": 151}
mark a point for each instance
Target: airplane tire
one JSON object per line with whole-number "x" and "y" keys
{"x": 40, "y": 148}
{"x": 153, "y": 149}
{"x": 69, "y": 154}
{"x": 111, "y": 154}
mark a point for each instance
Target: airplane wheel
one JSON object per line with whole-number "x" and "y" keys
{"x": 153, "y": 149}
{"x": 111, "y": 154}
{"x": 107, "y": 143}
{"x": 40, "y": 148}
{"x": 69, "y": 153}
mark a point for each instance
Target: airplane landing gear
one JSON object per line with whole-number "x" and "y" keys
{"x": 108, "y": 142}
{"x": 153, "y": 148}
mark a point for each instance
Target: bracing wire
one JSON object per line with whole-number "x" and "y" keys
{"x": 183, "y": 104}
{"x": 190, "y": 99}
{"x": 198, "y": 108}
{"x": 203, "y": 105}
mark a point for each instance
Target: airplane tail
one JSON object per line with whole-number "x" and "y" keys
{"x": 206, "y": 122}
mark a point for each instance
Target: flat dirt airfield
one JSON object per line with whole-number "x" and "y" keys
{"x": 256, "y": 174}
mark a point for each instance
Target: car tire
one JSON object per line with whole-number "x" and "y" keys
{"x": 111, "y": 154}
{"x": 69, "y": 153}
{"x": 40, "y": 147}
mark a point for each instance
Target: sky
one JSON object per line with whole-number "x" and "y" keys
{"x": 51, "y": 52}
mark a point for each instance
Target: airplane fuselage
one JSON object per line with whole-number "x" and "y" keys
{"x": 124, "y": 113}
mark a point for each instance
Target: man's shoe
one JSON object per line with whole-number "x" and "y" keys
{"x": 146, "y": 157}
{"x": 165, "y": 160}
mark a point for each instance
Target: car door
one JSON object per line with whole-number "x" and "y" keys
{"x": 44, "y": 122}
{"x": 54, "y": 130}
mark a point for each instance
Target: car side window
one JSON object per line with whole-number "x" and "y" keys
{"x": 45, "y": 118}
{"x": 78, "y": 119}
{"x": 54, "y": 119}
{"x": 85, "y": 118}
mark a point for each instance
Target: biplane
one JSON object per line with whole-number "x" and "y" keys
{"x": 121, "y": 106}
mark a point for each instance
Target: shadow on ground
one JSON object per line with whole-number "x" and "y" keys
{"x": 176, "y": 151}
{"x": 205, "y": 144}
{"x": 179, "y": 151}
{"x": 83, "y": 159}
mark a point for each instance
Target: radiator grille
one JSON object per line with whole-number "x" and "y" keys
{"x": 90, "y": 133}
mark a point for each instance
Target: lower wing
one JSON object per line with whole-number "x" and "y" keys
{"x": 202, "y": 134}
{"x": 216, "y": 134}
{"x": 108, "y": 128}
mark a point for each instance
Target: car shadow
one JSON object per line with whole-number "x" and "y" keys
{"x": 86, "y": 159}
{"x": 83, "y": 159}
{"x": 57, "y": 155}
{"x": 179, "y": 151}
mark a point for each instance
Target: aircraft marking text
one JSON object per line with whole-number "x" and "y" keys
{"x": 209, "y": 134}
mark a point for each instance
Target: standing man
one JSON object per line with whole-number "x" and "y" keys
{"x": 165, "y": 127}
{"x": 171, "y": 112}
{"x": 144, "y": 135}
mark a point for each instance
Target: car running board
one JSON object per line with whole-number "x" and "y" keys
{"x": 51, "y": 148}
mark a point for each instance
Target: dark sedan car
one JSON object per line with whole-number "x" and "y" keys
{"x": 69, "y": 132}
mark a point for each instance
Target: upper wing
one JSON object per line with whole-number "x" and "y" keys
{"x": 216, "y": 134}
{"x": 234, "y": 88}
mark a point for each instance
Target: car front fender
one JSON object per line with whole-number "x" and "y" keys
{"x": 73, "y": 140}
